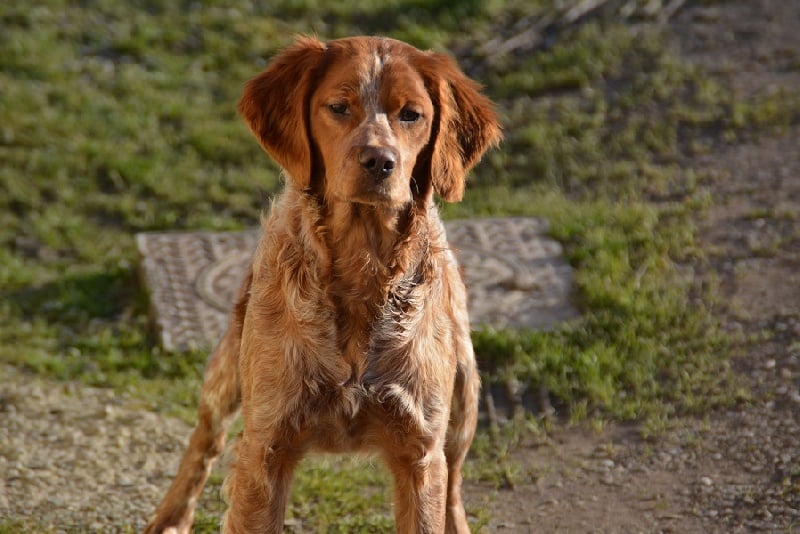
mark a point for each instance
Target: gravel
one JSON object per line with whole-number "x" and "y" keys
{"x": 74, "y": 458}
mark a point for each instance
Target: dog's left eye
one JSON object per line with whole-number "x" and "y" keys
{"x": 409, "y": 115}
{"x": 339, "y": 108}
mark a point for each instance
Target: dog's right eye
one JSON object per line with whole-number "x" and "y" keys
{"x": 339, "y": 108}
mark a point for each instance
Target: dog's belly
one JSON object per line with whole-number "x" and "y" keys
{"x": 364, "y": 420}
{"x": 345, "y": 425}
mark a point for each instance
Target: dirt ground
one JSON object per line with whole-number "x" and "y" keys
{"x": 737, "y": 470}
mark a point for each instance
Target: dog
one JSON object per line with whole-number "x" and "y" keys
{"x": 350, "y": 331}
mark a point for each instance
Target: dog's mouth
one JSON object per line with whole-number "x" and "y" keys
{"x": 390, "y": 192}
{"x": 380, "y": 199}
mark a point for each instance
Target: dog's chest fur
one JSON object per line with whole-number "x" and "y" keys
{"x": 374, "y": 277}
{"x": 360, "y": 312}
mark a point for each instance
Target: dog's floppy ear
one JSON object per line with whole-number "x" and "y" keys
{"x": 465, "y": 125}
{"x": 274, "y": 105}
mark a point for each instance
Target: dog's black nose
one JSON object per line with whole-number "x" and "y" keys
{"x": 379, "y": 161}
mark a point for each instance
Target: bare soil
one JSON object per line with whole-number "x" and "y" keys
{"x": 735, "y": 470}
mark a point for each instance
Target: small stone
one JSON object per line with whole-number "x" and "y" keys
{"x": 55, "y": 502}
{"x": 706, "y": 481}
{"x": 123, "y": 480}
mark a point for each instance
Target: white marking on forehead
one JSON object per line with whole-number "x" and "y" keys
{"x": 371, "y": 78}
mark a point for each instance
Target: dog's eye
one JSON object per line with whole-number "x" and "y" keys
{"x": 409, "y": 115}
{"x": 340, "y": 108}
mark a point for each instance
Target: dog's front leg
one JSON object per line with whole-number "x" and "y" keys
{"x": 461, "y": 429}
{"x": 270, "y": 445}
{"x": 420, "y": 489}
{"x": 258, "y": 488}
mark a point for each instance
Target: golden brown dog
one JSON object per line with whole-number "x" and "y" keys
{"x": 350, "y": 332}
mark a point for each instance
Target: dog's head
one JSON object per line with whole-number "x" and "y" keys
{"x": 370, "y": 120}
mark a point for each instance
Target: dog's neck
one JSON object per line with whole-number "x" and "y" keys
{"x": 365, "y": 238}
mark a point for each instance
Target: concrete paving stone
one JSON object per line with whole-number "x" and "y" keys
{"x": 516, "y": 277}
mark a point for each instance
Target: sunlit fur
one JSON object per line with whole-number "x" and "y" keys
{"x": 350, "y": 332}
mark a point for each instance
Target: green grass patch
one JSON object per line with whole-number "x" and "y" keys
{"x": 330, "y": 493}
{"x": 645, "y": 348}
{"x": 14, "y": 526}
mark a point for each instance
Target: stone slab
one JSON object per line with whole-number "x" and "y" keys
{"x": 516, "y": 277}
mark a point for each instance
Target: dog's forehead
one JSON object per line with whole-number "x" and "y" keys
{"x": 373, "y": 68}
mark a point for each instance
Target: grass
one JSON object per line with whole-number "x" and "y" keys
{"x": 334, "y": 494}
{"x": 120, "y": 117}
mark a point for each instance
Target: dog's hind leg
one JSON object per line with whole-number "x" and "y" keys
{"x": 220, "y": 398}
